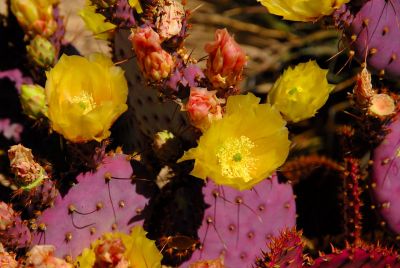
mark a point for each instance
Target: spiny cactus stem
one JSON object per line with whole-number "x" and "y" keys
{"x": 352, "y": 201}
{"x": 302, "y": 166}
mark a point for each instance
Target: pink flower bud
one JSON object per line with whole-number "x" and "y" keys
{"x": 203, "y": 107}
{"x": 226, "y": 60}
{"x": 155, "y": 63}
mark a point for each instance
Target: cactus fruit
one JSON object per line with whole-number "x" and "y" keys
{"x": 238, "y": 224}
{"x": 101, "y": 202}
{"x": 372, "y": 34}
{"x": 386, "y": 185}
{"x": 285, "y": 251}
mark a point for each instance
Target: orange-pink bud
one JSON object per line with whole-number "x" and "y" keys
{"x": 155, "y": 63}
{"x": 226, "y": 60}
{"x": 203, "y": 107}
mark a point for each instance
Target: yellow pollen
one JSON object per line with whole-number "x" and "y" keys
{"x": 234, "y": 157}
{"x": 85, "y": 101}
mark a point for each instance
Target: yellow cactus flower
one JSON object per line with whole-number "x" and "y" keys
{"x": 136, "y": 5}
{"x": 302, "y": 10}
{"x": 85, "y": 96}
{"x": 95, "y": 22}
{"x": 300, "y": 92}
{"x": 134, "y": 250}
{"x": 244, "y": 147}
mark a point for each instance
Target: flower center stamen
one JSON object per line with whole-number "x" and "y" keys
{"x": 234, "y": 157}
{"x": 85, "y": 101}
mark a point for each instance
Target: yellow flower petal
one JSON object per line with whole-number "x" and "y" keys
{"x": 136, "y": 5}
{"x": 302, "y": 10}
{"x": 244, "y": 147}
{"x": 301, "y": 91}
{"x": 85, "y": 96}
{"x": 140, "y": 251}
{"x": 95, "y": 22}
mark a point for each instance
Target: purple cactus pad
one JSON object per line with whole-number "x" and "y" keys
{"x": 100, "y": 202}
{"x": 386, "y": 176}
{"x": 374, "y": 36}
{"x": 238, "y": 224}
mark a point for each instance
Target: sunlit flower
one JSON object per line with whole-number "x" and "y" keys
{"x": 95, "y": 22}
{"x": 155, "y": 62}
{"x": 85, "y": 96}
{"x": 35, "y": 16}
{"x": 121, "y": 250}
{"x": 203, "y": 107}
{"x": 226, "y": 60}
{"x": 244, "y": 147}
{"x": 300, "y": 91}
{"x": 302, "y": 10}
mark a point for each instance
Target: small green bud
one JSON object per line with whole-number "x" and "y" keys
{"x": 33, "y": 101}
{"x": 41, "y": 52}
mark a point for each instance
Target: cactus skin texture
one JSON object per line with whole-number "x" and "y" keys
{"x": 285, "y": 251}
{"x": 360, "y": 256}
{"x": 99, "y": 203}
{"x": 386, "y": 183}
{"x": 373, "y": 35}
{"x": 238, "y": 224}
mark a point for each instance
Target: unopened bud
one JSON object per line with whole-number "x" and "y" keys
{"x": 41, "y": 51}
{"x": 33, "y": 101}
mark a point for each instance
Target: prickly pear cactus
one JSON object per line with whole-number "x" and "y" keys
{"x": 102, "y": 201}
{"x": 285, "y": 250}
{"x": 371, "y": 30}
{"x": 385, "y": 184}
{"x": 361, "y": 256}
{"x": 238, "y": 224}
{"x": 151, "y": 113}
